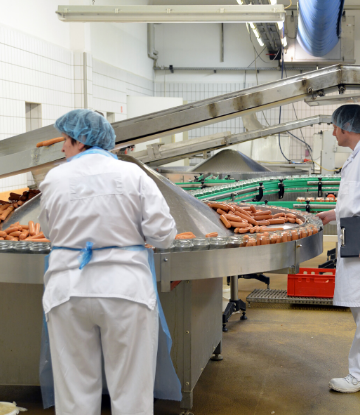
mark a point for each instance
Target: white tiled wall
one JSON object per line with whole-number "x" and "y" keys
{"x": 31, "y": 70}
{"x": 191, "y": 92}
{"x": 35, "y": 71}
{"x": 111, "y": 85}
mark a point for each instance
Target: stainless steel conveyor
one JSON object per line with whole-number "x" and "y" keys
{"x": 19, "y": 153}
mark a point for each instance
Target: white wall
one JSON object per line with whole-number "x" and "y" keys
{"x": 42, "y": 61}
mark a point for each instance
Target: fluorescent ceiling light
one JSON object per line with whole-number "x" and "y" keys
{"x": 272, "y": 2}
{"x": 261, "y": 43}
{"x": 284, "y": 41}
{"x": 240, "y": 1}
{"x": 280, "y": 25}
{"x": 173, "y": 14}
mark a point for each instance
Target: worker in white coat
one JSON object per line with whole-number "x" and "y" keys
{"x": 99, "y": 292}
{"x": 346, "y": 122}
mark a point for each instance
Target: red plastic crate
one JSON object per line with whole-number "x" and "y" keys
{"x": 310, "y": 283}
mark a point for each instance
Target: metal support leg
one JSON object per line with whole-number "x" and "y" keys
{"x": 216, "y": 357}
{"x": 235, "y": 304}
{"x": 186, "y": 402}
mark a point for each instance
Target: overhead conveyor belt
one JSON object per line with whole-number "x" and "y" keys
{"x": 19, "y": 153}
{"x": 236, "y": 104}
{"x": 157, "y": 153}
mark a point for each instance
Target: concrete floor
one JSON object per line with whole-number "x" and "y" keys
{"x": 279, "y": 361}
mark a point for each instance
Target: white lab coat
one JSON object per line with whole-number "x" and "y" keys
{"x": 347, "y": 279}
{"x": 110, "y": 203}
{"x": 109, "y": 305}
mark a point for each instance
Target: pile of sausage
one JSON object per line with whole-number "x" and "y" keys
{"x": 15, "y": 201}
{"x": 247, "y": 219}
{"x": 27, "y": 233}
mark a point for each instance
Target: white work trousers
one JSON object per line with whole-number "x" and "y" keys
{"x": 354, "y": 355}
{"x": 127, "y": 332}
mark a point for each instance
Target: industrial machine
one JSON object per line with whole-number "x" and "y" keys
{"x": 193, "y": 307}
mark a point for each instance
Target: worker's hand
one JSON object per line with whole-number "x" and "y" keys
{"x": 327, "y": 216}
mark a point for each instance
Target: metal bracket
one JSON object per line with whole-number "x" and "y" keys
{"x": 307, "y": 207}
{"x": 153, "y": 151}
{"x": 342, "y": 237}
{"x": 298, "y": 246}
{"x": 281, "y": 188}
{"x": 165, "y": 272}
{"x": 261, "y": 193}
{"x": 320, "y": 193}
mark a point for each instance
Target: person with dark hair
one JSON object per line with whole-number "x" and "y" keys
{"x": 346, "y": 122}
{"x": 103, "y": 300}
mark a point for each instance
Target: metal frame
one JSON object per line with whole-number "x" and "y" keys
{"x": 235, "y": 104}
{"x": 157, "y": 153}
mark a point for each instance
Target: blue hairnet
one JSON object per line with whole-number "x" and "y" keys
{"x": 88, "y": 127}
{"x": 347, "y": 117}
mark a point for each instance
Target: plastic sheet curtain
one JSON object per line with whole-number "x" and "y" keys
{"x": 319, "y": 25}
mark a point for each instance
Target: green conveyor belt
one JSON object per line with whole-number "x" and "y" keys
{"x": 294, "y": 187}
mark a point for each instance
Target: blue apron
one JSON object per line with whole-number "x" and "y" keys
{"x": 167, "y": 384}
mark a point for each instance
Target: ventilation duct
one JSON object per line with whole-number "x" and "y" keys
{"x": 319, "y": 25}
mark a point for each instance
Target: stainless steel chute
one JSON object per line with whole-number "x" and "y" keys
{"x": 190, "y": 214}
{"x": 231, "y": 161}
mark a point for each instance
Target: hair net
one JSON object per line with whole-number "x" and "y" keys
{"x": 347, "y": 117}
{"x": 88, "y": 127}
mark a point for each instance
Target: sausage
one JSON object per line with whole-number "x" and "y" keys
{"x": 243, "y": 212}
{"x": 25, "y": 226}
{"x": 10, "y": 238}
{"x": 221, "y": 212}
{"x": 3, "y": 207}
{"x": 239, "y": 224}
{"x": 248, "y": 218}
{"x": 240, "y": 215}
{"x": 242, "y": 230}
{"x": 276, "y": 221}
{"x": 252, "y": 208}
{"x": 183, "y": 235}
{"x": 290, "y": 215}
{"x": 262, "y": 217}
{"x": 20, "y": 203}
{"x": 11, "y": 229}
{"x": 41, "y": 235}
{"x": 310, "y": 231}
{"x": 47, "y": 240}
{"x": 188, "y": 236}
{"x": 263, "y": 212}
{"x": 32, "y": 228}
{"x": 231, "y": 208}
{"x": 24, "y": 234}
{"x": 279, "y": 215}
{"x": 50, "y": 142}
{"x": 299, "y": 221}
{"x": 291, "y": 220}
{"x": 37, "y": 228}
{"x": 3, "y": 234}
{"x": 263, "y": 223}
{"x": 234, "y": 218}
{"x": 14, "y": 224}
{"x": 2, "y": 239}
{"x": 284, "y": 237}
{"x": 16, "y": 234}
{"x": 219, "y": 206}
{"x": 6, "y": 212}
{"x": 211, "y": 235}
{"x": 225, "y": 221}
